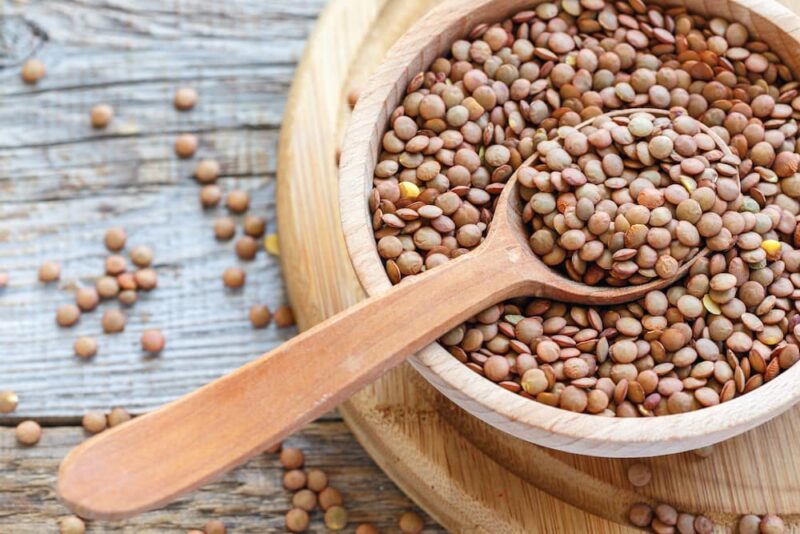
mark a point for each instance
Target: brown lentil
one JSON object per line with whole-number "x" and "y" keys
{"x": 67, "y": 315}
{"x": 115, "y": 239}
{"x": 185, "y": 98}
{"x": 317, "y": 480}
{"x": 117, "y": 416}
{"x": 8, "y": 401}
{"x": 28, "y": 433}
{"x": 146, "y": 279}
{"x": 32, "y": 71}
{"x": 336, "y": 518}
{"x": 115, "y": 264}
{"x": 292, "y": 458}
{"x": 210, "y": 195}
{"x": 107, "y": 287}
{"x": 237, "y": 201}
{"x": 152, "y": 341}
{"x": 411, "y": 523}
{"x": 366, "y": 528}
{"x": 622, "y": 201}
{"x": 214, "y": 526}
{"x": 50, "y": 271}
{"x": 207, "y": 171}
{"x": 234, "y": 277}
{"x": 305, "y": 499}
{"x": 254, "y": 226}
{"x": 297, "y": 520}
{"x": 113, "y": 321}
{"x": 4, "y": 277}
{"x": 284, "y": 317}
{"x": 185, "y": 145}
{"x": 86, "y": 298}
{"x": 260, "y": 315}
{"x": 142, "y": 256}
{"x": 294, "y": 479}
{"x": 246, "y": 248}
{"x": 101, "y": 115}
{"x": 85, "y": 347}
{"x": 224, "y": 228}
{"x": 71, "y": 525}
{"x": 94, "y": 422}
{"x": 328, "y": 497}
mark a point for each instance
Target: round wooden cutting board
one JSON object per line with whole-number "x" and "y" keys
{"x": 468, "y": 476}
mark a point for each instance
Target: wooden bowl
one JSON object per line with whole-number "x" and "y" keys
{"x": 506, "y": 411}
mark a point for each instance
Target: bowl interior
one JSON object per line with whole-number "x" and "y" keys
{"x": 532, "y": 421}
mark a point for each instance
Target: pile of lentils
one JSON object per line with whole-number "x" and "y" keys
{"x": 520, "y": 87}
{"x": 621, "y": 211}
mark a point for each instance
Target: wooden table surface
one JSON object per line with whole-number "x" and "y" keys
{"x": 62, "y": 184}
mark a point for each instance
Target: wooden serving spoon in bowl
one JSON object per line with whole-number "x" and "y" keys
{"x": 154, "y": 459}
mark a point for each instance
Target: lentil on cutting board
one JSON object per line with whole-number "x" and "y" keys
{"x": 260, "y": 316}
{"x": 411, "y": 523}
{"x": 234, "y": 277}
{"x": 237, "y": 201}
{"x": 627, "y": 215}
{"x": 224, "y": 228}
{"x": 210, "y": 195}
{"x": 113, "y": 321}
{"x": 336, "y": 518}
{"x": 118, "y": 416}
{"x": 115, "y": 239}
{"x": 207, "y": 171}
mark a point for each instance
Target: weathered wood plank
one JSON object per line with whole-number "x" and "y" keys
{"x": 63, "y": 183}
{"x": 250, "y": 499}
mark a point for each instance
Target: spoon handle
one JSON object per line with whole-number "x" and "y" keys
{"x": 153, "y": 459}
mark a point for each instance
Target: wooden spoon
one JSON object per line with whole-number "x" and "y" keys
{"x": 154, "y": 459}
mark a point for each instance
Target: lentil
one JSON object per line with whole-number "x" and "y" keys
{"x": 305, "y": 499}
{"x": 185, "y": 98}
{"x": 94, "y": 422}
{"x": 234, "y": 277}
{"x": 8, "y": 401}
{"x": 32, "y": 71}
{"x": 152, "y": 341}
{"x": 207, "y": 171}
{"x": 215, "y": 526}
{"x": 336, "y": 518}
{"x": 411, "y": 523}
{"x": 224, "y": 228}
{"x": 246, "y": 248}
{"x": 142, "y": 256}
{"x": 237, "y": 201}
{"x": 621, "y": 201}
{"x": 260, "y": 316}
{"x": 113, "y": 321}
{"x": 72, "y": 525}
{"x": 292, "y": 458}
{"x": 328, "y": 497}
{"x": 28, "y": 433}
{"x": 254, "y": 226}
{"x": 117, "y": 416}
{"x": 185, "y": 145}
{"x": 67, "y": 315}
{"x": 85, "y": 347}
{"x": 50, "y": 271}
{"x": 297, "y": 520}
{"x": 284, "y": 317}
{"x": 101, "y": 115}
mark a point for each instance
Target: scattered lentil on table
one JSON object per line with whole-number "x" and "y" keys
{"x": 101, "y": 115}
{"x": 32, "y": 71}
{"x": 28, "y": 433}
{"x": 185, "y": 98}
{"x": 8, "y": 401}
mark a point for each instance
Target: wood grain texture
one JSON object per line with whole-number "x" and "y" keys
{"x": 424, "y": 441}
{"x": 63, "y": 184}
{"x": 250, "y": 499}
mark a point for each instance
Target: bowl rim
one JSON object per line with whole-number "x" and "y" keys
{"x": 530, "y": 420}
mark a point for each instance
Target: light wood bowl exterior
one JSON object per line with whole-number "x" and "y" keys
{"x": 506, "y": 411}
